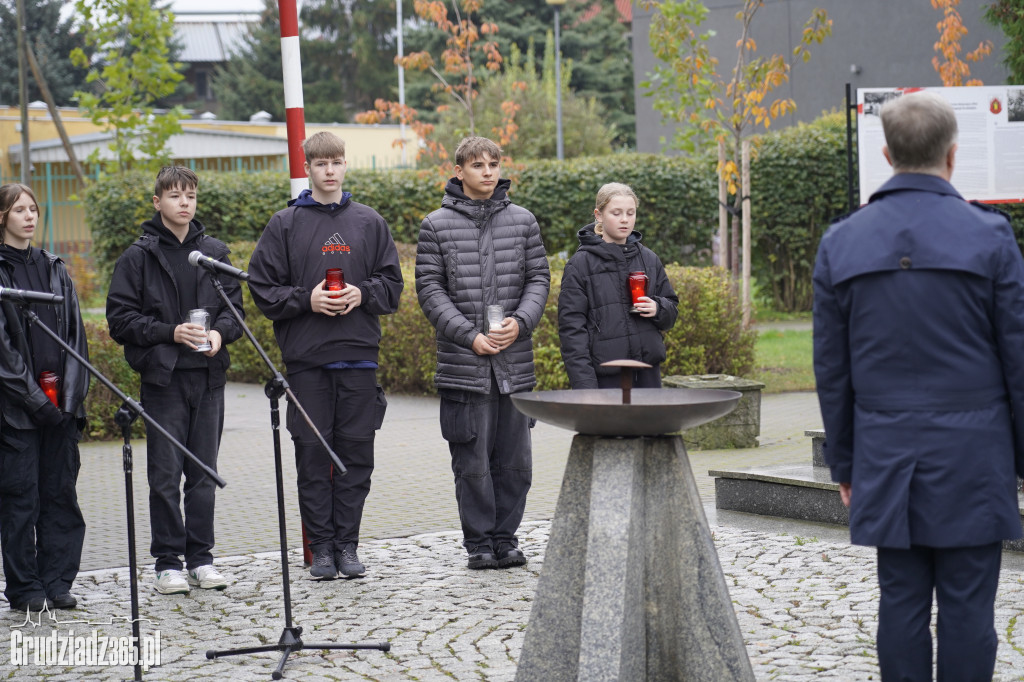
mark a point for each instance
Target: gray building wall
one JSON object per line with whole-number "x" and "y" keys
{"x": 874, "y": 43}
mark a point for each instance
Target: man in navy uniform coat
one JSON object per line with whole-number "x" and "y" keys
{"x": 919, "y": 360}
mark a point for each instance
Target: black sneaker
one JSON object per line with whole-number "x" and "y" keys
{"x": 32, "y": 605}
{"x": 323, "y": 564}
{"x": 348, "y": 562}
{"x": 509, "y": 555}
{"x": 482, "y": 557}
{"x": 64, "y": 601}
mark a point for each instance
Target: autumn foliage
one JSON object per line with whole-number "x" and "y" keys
{"x": 953, "y": 70}
{"x": 468, "y": 50}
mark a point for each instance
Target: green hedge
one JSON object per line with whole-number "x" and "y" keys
{"x": 676, "y": 197}
{"x": 806, "y": 166}
{"x": 798, "y": 187}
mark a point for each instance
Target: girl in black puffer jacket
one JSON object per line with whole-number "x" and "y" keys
{"x": 595, "y": 324}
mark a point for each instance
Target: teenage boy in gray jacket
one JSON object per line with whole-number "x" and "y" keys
{"x": 478, "y": 250}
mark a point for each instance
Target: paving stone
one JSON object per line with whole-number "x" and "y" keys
{"x": 807, "y": 608}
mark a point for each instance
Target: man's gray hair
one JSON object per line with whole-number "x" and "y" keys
{"x": 920, "y": 129}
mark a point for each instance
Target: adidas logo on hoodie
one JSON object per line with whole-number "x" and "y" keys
{"x": 335, "y": 243}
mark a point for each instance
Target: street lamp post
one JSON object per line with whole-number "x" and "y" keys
{"x": 401, "y": 78}
{"x": 558, "y": 82}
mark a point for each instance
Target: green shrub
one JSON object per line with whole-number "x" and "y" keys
{"x": 407, "y": 346}
{"x": 101, "y": 404}
{"x": 798, "y": 186}
{"x": 708, "y": 337}
{"x": 677, "y": 195}
{"x": 678, "y": 201}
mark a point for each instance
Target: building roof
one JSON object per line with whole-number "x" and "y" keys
{"x": 189, "y": 144}
{"x": 624, "y": 8}
{"x": 211, "y": 39}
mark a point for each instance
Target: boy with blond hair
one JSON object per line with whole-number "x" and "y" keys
{"x": 329, "y": 342}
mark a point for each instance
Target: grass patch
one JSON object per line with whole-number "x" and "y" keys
{"x": 785, "y": 360}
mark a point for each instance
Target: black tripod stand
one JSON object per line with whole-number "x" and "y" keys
{"x": 129, "y": 411}
{"x": 291, "y": 639}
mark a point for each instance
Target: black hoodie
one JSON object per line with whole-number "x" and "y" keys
{"x": 297, "y": 247}
{"x": 150, "y": 293}
{"x": 594, "y": 322}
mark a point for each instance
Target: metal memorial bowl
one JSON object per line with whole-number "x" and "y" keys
{"x": 651, "y": 412}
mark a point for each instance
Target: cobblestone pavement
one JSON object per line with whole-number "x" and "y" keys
{"x": 805, "y": 599}
{"x": 807, "y": 609}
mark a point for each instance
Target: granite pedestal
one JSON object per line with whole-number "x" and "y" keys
{"x": 738, "y": 429}
{"x": 632, "y": 588}
{"x": 796, "y": 491}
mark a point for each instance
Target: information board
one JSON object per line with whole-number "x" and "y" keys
{"x": 990, "y": 156}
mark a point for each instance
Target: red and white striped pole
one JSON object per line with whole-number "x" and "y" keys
{"x": 295, "y": 120}
{"x": 295, "y": 124}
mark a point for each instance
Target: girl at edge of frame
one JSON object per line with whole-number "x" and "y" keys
{"x": 40, "y": 520}
{"x": 595, "y": 324}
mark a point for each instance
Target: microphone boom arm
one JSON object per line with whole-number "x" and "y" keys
{"x": 278, "y": 379}
{"x": 129, "y": 402}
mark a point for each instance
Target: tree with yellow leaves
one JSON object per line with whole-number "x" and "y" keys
{"x": 952, "y": 69}
{"x": 689, "y": 89}
{"x": 456, "y": 71}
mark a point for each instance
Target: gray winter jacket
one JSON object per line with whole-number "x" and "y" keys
{"x": 471, "y": 254}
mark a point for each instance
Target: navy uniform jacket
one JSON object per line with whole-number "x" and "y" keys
{"x": 919, "y": 362}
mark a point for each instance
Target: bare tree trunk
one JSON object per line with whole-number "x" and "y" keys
{"x": 37, "y": 73}
{"x": 745, "y": 194}
{"x": 723, "y": 212}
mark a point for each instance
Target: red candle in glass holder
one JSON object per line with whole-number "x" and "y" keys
{"x": 637, "y": 286}
{"x": 335, "y": 279}
{"x": 50, "y": 383}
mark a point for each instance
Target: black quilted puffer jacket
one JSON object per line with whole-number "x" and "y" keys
{"x": 475, "y": 253}
{"x": 594, "y": 322}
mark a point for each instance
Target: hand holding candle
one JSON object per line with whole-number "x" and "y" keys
{"x": 637, "y": 288}
{"x": 50, "y": 383}
{"x": 334, "y": 279}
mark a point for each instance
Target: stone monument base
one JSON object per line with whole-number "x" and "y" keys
{"x": 631, "y": 588}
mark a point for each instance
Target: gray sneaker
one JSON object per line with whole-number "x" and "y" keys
{"x": 323, "y": 564}
{"x": 347, "y": 561}
{"x": 172, "y": 582}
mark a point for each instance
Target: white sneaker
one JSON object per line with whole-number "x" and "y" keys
{"x": 207, "y": 578}
{"x": 171, "y": 582}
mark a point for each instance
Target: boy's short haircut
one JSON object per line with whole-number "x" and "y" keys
{"x": 175, "y": 177}
{"x": 474, "y": 148}
{"x": 323, "y": 145}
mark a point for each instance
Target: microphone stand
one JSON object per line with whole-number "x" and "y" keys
{"x": 128, "y": 412}
{"x": 291, "y": 636}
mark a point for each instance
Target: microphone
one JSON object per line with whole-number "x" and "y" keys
{"x": 197, "y": 259}
{"x": 26, "y": 296}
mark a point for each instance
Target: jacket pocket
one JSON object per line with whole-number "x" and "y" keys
{"x": 139, "y": 357}
{"x": 458, "y": 416}
{"x": 381, "y": 408}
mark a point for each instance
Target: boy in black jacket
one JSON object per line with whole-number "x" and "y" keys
{"x": 329, "y": 341}
{"x": 151, "y": 293}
